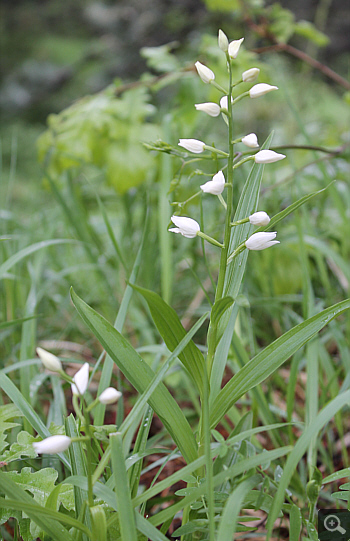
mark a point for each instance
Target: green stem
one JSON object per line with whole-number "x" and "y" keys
{"x": 239, "y": 222}
{"x": 240, "y": 97}
{"x": 237, "y": 251}
{"x": 216, "y": 150}
{"x": 229, "y": 204}
{"x": 89, "y": 458}
{"x": 209, "y": 239}
{"x": 214, "y": 83}
{"x": 204, "y": 436}
{"x": 222, "y": 201}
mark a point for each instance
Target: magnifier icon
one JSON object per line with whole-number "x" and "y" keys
{"x": 332, "y": 524}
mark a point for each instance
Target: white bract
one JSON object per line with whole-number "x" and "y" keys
{"x": 260, "y": 89}
{"x": 109, "y": 396}
{"x": 259, "y": 218}
{"x": 192, "y": 145}
{"x": 185, "y": 226}
{"x": 204, "y": 73}
{"x": 250, "y": 75}
{"x": 81, "y": 380}
{"x": 262, "y": 240}
{"x": 212, "y": 109}
{"x": 52, "y": 445}
{"x": 216, "y": 185}
{"x": 268, "y": 156}
{"x": 50, "y": 361}
{"x": 250, "y": 140}
{"x": 223, "y": 41}
{"x": 233, "y": 47}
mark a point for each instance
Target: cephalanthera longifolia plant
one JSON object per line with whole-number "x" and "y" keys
{"x": 101, "y": 497}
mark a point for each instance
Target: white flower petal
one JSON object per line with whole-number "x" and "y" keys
{"x": 250, "y": 140}
{"x": 233, "y": 47}
{"x": 50, "y": 361}
{"x": 259, "y": 218}
{"x": 260, "y": 89}
{"x": 204, "y": 73}
{"x": 52, "y": 445}
{"x": 216, "y": 185}
{"x": 109, "y": 396}
{"x": 192, "y": 145}
{"x": 223, "y": 41}
{"x": 186, "y": 226}
{"x": 250, "y": 75}
{"x": 212, "y": 109}
{"x": 81, "y": 380}
{"x": 261, "y": 241}
{"x": 268, "y": 156}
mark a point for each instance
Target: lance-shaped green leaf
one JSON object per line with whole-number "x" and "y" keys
{"x": 169, "y": 326}
{"x": 122, "y": 490}
{"x": 247, "y": 205}
{"x": 25, "y": 252}
{"x": 272, "y": 357}
{"x": 140, "y": 375}
{"x": 284, "y": 213}
{"x": 219, "y": 309}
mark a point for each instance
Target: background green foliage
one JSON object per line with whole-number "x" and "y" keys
{"x": 108, "y": 81}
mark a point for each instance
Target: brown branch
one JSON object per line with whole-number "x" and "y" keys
{"x": 285, "y": 47}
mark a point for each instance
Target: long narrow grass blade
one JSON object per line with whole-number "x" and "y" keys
{"x": 25, "y": 252}
{"x": 106, "y": 374}
{"x": 149, "y": 530}
{"x": 299, "y": 450}
{"x": 190, "y": 468}
{"x": 271, "y": 358}
{"x": 78, "y": 462}
{"x": 122, "y": 490}
{"x": 230, "y": 473}
{"x": 228, "y": 522}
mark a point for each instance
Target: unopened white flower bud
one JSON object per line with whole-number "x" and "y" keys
{"x": 260, "y": 241}
{"x": 212, "y": 109}
{"x": 233, "y": 47}
{"x": 109, "y": 396}
{"x": 260, "y": 89}
{"x": 259, "y": 218}
{"x": 268, "y": 156}
{"x": 204, "y": 73}
{"x": 185, "y": 226}
{"x": 224, "y": 102}
{"x": 81, "y": 380}
{"x": 250, "y": 75}
{"x": 50, "y": 361}
{"x": 250, "y": 140}
{"x": 223, "y": 41}
{"x": 192, "y": 145}
{"x": 216, "y": 185}
{"x": 52, "y": 445}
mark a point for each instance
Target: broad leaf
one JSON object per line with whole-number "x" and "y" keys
{"x": 140, "y": 375}
{"x": 272, "y": 357}
{"x": 169, "y": 326}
